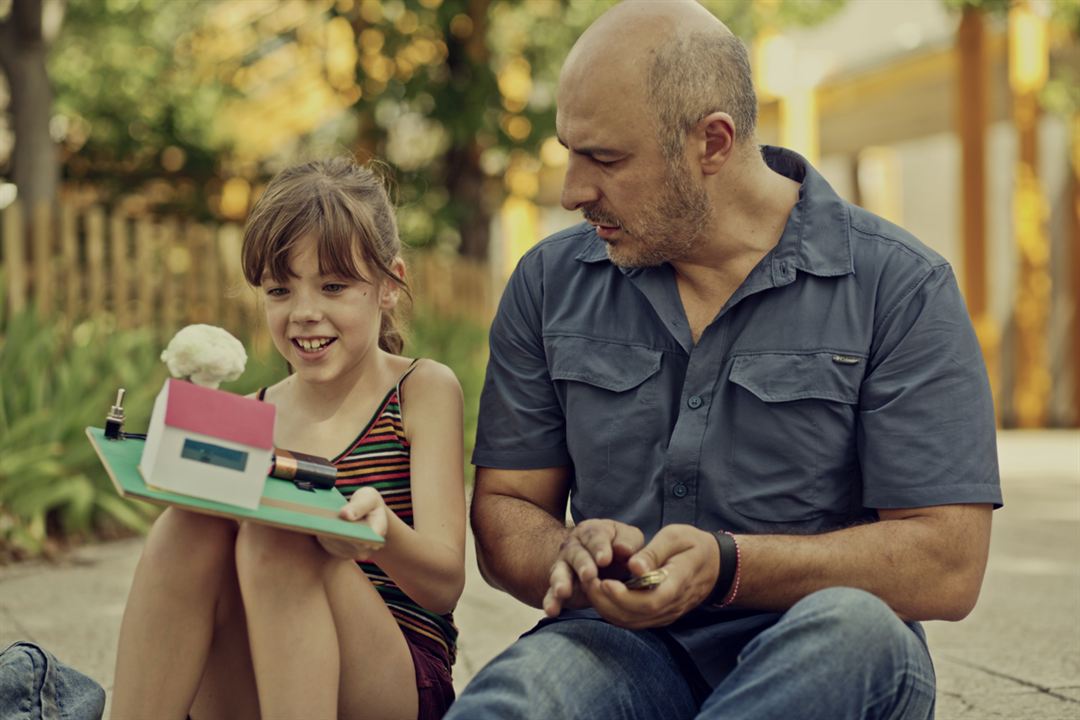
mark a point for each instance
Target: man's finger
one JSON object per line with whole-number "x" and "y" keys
{"x": 669, "y": 542}
{"x": 561, "y": 580}
{"x": 580, "y": 559}
{"x": 627, "y": 540}
{"x": 560, "y": 588}
{"x": 596, "y": 539}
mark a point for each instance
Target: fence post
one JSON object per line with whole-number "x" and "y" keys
{"x": 15, "y": 258}
{"x": 95, "y": 259}
{"x": 213, "y": 275}
{"x": 121, "y": 287}
{"x": 196, "y": 255}
{"x": 69, "y": 268}
{"x": 146, "y": 281}
{"x": 42, "y": 247}
{"x": 167, "y": 231}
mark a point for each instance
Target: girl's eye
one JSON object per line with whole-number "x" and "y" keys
{"x": 277, "y": 292}
{"x": 334, "y": 287}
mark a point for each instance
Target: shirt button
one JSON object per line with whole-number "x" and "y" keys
{"x": 694, "y": 401}
{"x": 679, "y": 491}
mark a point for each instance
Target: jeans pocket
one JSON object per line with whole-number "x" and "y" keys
{"x": 34, "y": 684}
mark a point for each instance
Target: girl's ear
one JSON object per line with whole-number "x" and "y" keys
{"x": 389, "y": 291}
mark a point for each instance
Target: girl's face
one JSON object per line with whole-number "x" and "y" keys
{"x": 326, "y": 326}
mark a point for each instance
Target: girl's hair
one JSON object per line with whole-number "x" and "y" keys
{"x": 345, "y": 207}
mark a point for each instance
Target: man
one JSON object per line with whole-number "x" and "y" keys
{"x": 739, "y": 379}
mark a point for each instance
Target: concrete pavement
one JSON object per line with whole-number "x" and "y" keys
{"x": 1016, "y": 656}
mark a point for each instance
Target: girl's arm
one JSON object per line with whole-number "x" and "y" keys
{"x": 426, "y": 561}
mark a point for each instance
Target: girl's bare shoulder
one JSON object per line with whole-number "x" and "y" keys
{"x": 274, "y": 392}
{"x": 431, "y": 377}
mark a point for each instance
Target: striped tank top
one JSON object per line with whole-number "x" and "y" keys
{"x": 379, "y": 458}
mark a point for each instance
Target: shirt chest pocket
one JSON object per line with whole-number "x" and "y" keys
{"x": 609, "y": 396}
{"x": 793, "y": 454}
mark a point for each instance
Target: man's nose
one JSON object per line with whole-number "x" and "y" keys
{"x": 578, "y": 187}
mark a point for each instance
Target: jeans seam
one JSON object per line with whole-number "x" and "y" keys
{"x": 907, "y": 678}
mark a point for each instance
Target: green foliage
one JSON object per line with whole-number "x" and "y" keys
{"x": 460, "y": 344}
{"x": 994, "y": 7}
{"x": 124, "y": 94}
{"x": 55, "y": 384}
{"x": 49, "y": 477}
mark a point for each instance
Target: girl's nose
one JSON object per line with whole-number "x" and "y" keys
{"x": 305, "y": 311}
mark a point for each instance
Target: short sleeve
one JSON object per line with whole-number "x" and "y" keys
{"x": 926, "y": 416}
{"x": 521, "y": 423}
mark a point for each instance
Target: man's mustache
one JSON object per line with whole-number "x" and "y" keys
{"x": 598, "y": 216}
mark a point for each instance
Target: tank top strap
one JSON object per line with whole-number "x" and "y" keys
{"x": 408, "y": 371}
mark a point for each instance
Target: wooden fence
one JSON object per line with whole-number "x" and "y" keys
{"x": 73, "y": 263}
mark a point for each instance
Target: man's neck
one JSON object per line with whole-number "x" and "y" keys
{"x": 751, "y": 204}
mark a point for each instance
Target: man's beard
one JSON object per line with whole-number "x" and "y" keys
{"x": 666, "y": 228}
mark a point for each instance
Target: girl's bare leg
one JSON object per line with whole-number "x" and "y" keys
{"x": 168, "y": 623}
{"x": 323, "y": 643}
{"x": 227, "y": 689}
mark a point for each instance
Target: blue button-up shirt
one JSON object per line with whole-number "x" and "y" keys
{"x": 842, "y": 376}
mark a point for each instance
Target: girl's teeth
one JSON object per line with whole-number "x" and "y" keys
{"x": 313, "y": 344}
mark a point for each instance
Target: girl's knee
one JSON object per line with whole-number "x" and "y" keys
{"x": 187, "y": 542}
{"x": 264, "y": 554}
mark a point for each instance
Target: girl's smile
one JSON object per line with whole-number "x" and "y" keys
{"x": 312, "y": 347}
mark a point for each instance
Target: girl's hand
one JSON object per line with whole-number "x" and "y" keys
{"x": 366, "y": 505}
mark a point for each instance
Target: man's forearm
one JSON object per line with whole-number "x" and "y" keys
{"x": 516, "y": 543}
{"x": 928, "y": 565}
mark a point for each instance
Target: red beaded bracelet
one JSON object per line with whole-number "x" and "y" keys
{"x": 738, "y": 567}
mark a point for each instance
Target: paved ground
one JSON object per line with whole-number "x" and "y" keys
{"x": 1016, "y": 656}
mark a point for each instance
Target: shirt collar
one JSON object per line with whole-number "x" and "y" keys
{"x": 594, "y": 249}
{"x": 817, "y": 236}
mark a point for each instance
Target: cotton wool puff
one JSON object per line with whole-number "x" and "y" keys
{"x": 206, "y": 354}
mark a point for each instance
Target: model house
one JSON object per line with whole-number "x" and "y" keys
{"x": 209, "y": 444}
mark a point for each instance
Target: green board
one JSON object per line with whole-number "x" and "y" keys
{"x": 283, "y": 504}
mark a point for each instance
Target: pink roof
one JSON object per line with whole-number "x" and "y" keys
{"x": 220, "y": 414}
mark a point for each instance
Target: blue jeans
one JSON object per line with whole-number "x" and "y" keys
{"x": 838, "y": 654}
{"x": 34, "y": 685}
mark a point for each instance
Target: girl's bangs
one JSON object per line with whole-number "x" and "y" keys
{"x": 335, "y": 238}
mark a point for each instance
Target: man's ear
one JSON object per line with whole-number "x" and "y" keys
{"x": 390, "y": 291}
{"x": 715, "y": 135}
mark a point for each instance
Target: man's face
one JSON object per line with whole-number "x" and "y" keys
{"x": 663, "y": 227}
{"x": 648, "y": 210}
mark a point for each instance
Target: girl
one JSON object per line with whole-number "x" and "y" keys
{"x": 238, "y": 620}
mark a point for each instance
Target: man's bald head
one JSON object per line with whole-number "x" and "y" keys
{"x": 687, "y": 63}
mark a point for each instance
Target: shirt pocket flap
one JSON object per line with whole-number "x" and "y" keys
{"x": 783, "y": 377}
{"x": 606, "y": 365}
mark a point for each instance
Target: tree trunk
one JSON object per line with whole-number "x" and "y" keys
{"x": 465, "y": 180}
{"x": 35, "y": 162}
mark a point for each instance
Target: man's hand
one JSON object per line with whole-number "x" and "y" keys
{"x": 594, "y": 549}
{"x": 365, "y": 505}
{"x": 691, "y": 559}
